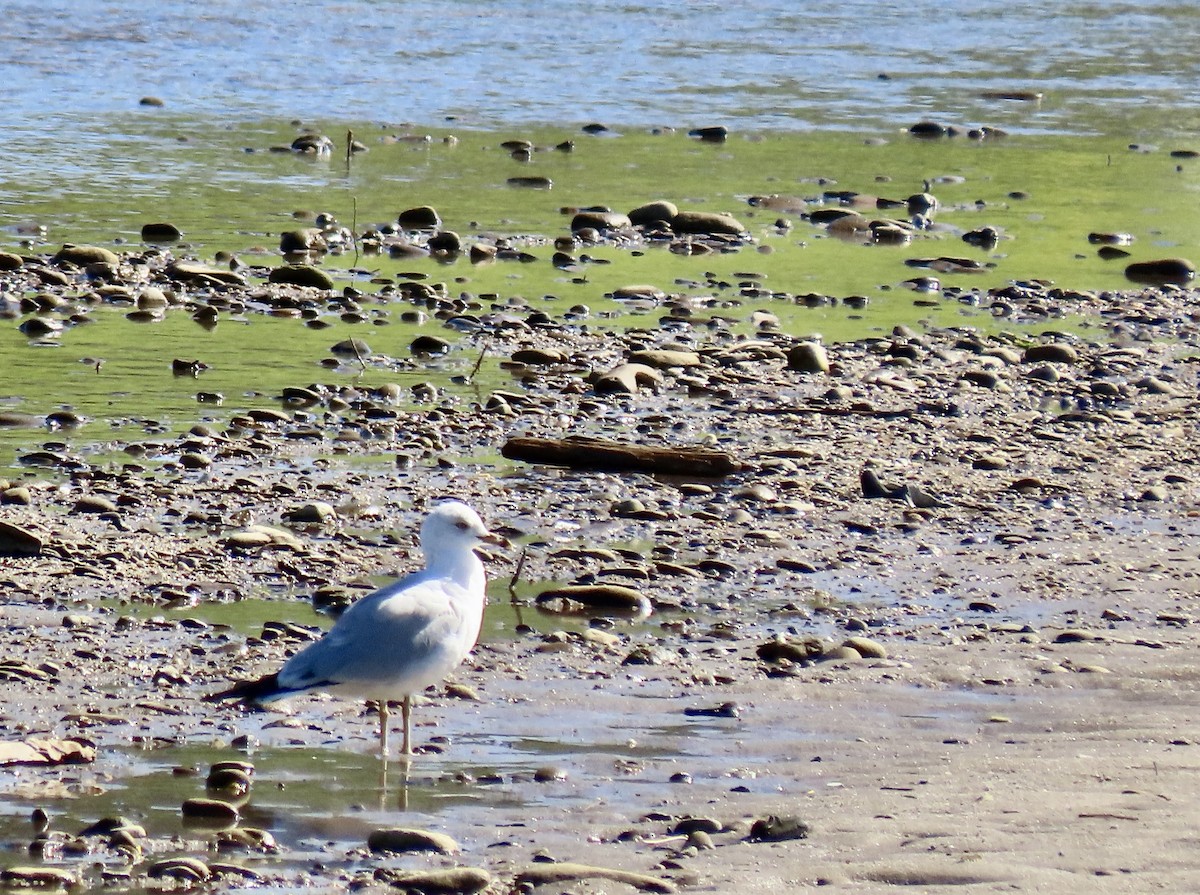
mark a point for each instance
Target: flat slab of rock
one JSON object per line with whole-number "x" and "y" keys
{"x": 17, "y": 541}
{"x": 47, "y": 752}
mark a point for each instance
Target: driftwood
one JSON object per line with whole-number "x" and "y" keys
{"x": 595, "y": 453}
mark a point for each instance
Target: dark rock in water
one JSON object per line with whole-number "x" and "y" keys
{"x": 928, "y": 130}
{"x": 40, "y": 327}
{"x": 82, "y": 256}
{"x": 307, "y": 239}
{"x": 445, "y": 242}
{"x": 351, "y": 347}
{"x": 1110, "y": 239}
{"x": 209, "y": 810}
{"x": 153, "y": 102}
{"x": 301, "y": 275}
{"x": 985, "y": 238}
{"x": 660, "y": 212}
{"x": 1162, "y": 271}
{"x": 161, "y": 232}
{"x": 190, "y": 271}
{"x": 778, "y": 829}
{"x": 599, "y": 597}
{"x": 701, "y": 222}
{"x": 600, "y": 220}
{"x": 312, "y": 144}
{"x": 15, "y": 541}
{"x": 595, "y": 128}
{"x": 1111, "y": 253}
{"x": 423, "y": 217}
{"x": 714, "y": 134}
{"x": 531, "y": 183}
{"x": 428, "y": 345}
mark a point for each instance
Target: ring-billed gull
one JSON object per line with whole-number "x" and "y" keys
{"x": 400, "y": 639}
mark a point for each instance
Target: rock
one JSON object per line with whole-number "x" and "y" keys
{"x": 351, "y": 347}
{"x": 18, "y": 495}
{"x": 453, "y": 881}
{"x": 423, "y": 217}
{"x": 445, "y": 242}
{"x": 81, "y": 256}
{"x": 539, "y": 357}
{"x": 1162, "y": 271}
{"x": 704, "y": 222}
{"x": 600, "y": 220}
{"x": 46, "y": 751}
{"x": 429, "y": 345}
{"x": 1051, "y": 353}
{"x": 638, "y": 292}
{"x": 711, "y": 134}
{"x": 190, "y": 271}
{"x": 257, "y": 536}
{"x": 312, "y": 144}
{"x": 40, "y": 327}
{"x": 598, "y": 596}
{"x": 9, "y": 261}
{"x": 928, "y": 130}
{"x": 791, "y": 649}
{"x": 808, "y": 357}
{"x": 315, "y": 512}
{"x": 663, "y": 359}
{"x": 306, "y": 239}
{"x": 405, "y": 839}
{"x": 161, "y": 232}
{"x": 686, "y": 826}
{"x": 39, "y": 877}
{"x": 14, "y": 540}
{"x": 778, "y": 829}
{"x": 626, "y": 379}
{"x": 183, "y": 870}
{"x": 214, "y": 810}
{"x": 94, "y": 503}
{"x": 301, "y": 275}
{"x": 652, "y": 213}
{"x": 542, "y": 874}
{"x": 866, "y": 648}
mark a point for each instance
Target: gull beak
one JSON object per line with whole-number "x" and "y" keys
{"x": 494, "y": 539}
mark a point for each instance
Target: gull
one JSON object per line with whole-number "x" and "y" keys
{"x": 400, "y": 639}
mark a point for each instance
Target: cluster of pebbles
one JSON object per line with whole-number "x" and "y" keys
{"x": 846, "y": 462}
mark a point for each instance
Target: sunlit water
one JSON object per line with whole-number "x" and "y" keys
{"x": 760, "y": 64}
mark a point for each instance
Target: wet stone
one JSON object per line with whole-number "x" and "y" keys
{"x": 406, "y": 839}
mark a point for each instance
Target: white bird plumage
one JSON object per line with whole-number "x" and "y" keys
{"x": 402, "y": 638}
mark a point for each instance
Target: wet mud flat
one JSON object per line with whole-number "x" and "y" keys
{"x": 936, "y": 627}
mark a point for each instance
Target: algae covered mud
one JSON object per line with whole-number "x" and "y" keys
{"x": 829, "y": 236}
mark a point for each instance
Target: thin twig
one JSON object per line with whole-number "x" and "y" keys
{"x": 512, "y": 582}
{"x": 478, "y": 363}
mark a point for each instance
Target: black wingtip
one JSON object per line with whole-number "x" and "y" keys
{"x": 248, "y": 691}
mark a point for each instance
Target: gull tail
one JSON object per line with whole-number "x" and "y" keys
{"x": 260, "y": 690}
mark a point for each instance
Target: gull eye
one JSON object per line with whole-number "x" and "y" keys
{"x": 462, "y": 525}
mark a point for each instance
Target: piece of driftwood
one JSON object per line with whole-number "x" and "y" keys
{"x": 596, "y": 453}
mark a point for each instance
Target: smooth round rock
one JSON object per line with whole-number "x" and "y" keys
{"x": 406, "y": 839}
{"x": 808, "y": 357}
{"x": 301, "y": 275}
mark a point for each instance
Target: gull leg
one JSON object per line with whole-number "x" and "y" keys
{"x": 406, "y": 713}
{"x": 383, "y": 729}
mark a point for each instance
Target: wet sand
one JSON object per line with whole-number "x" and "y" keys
{"x": 1033, "y": 724}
